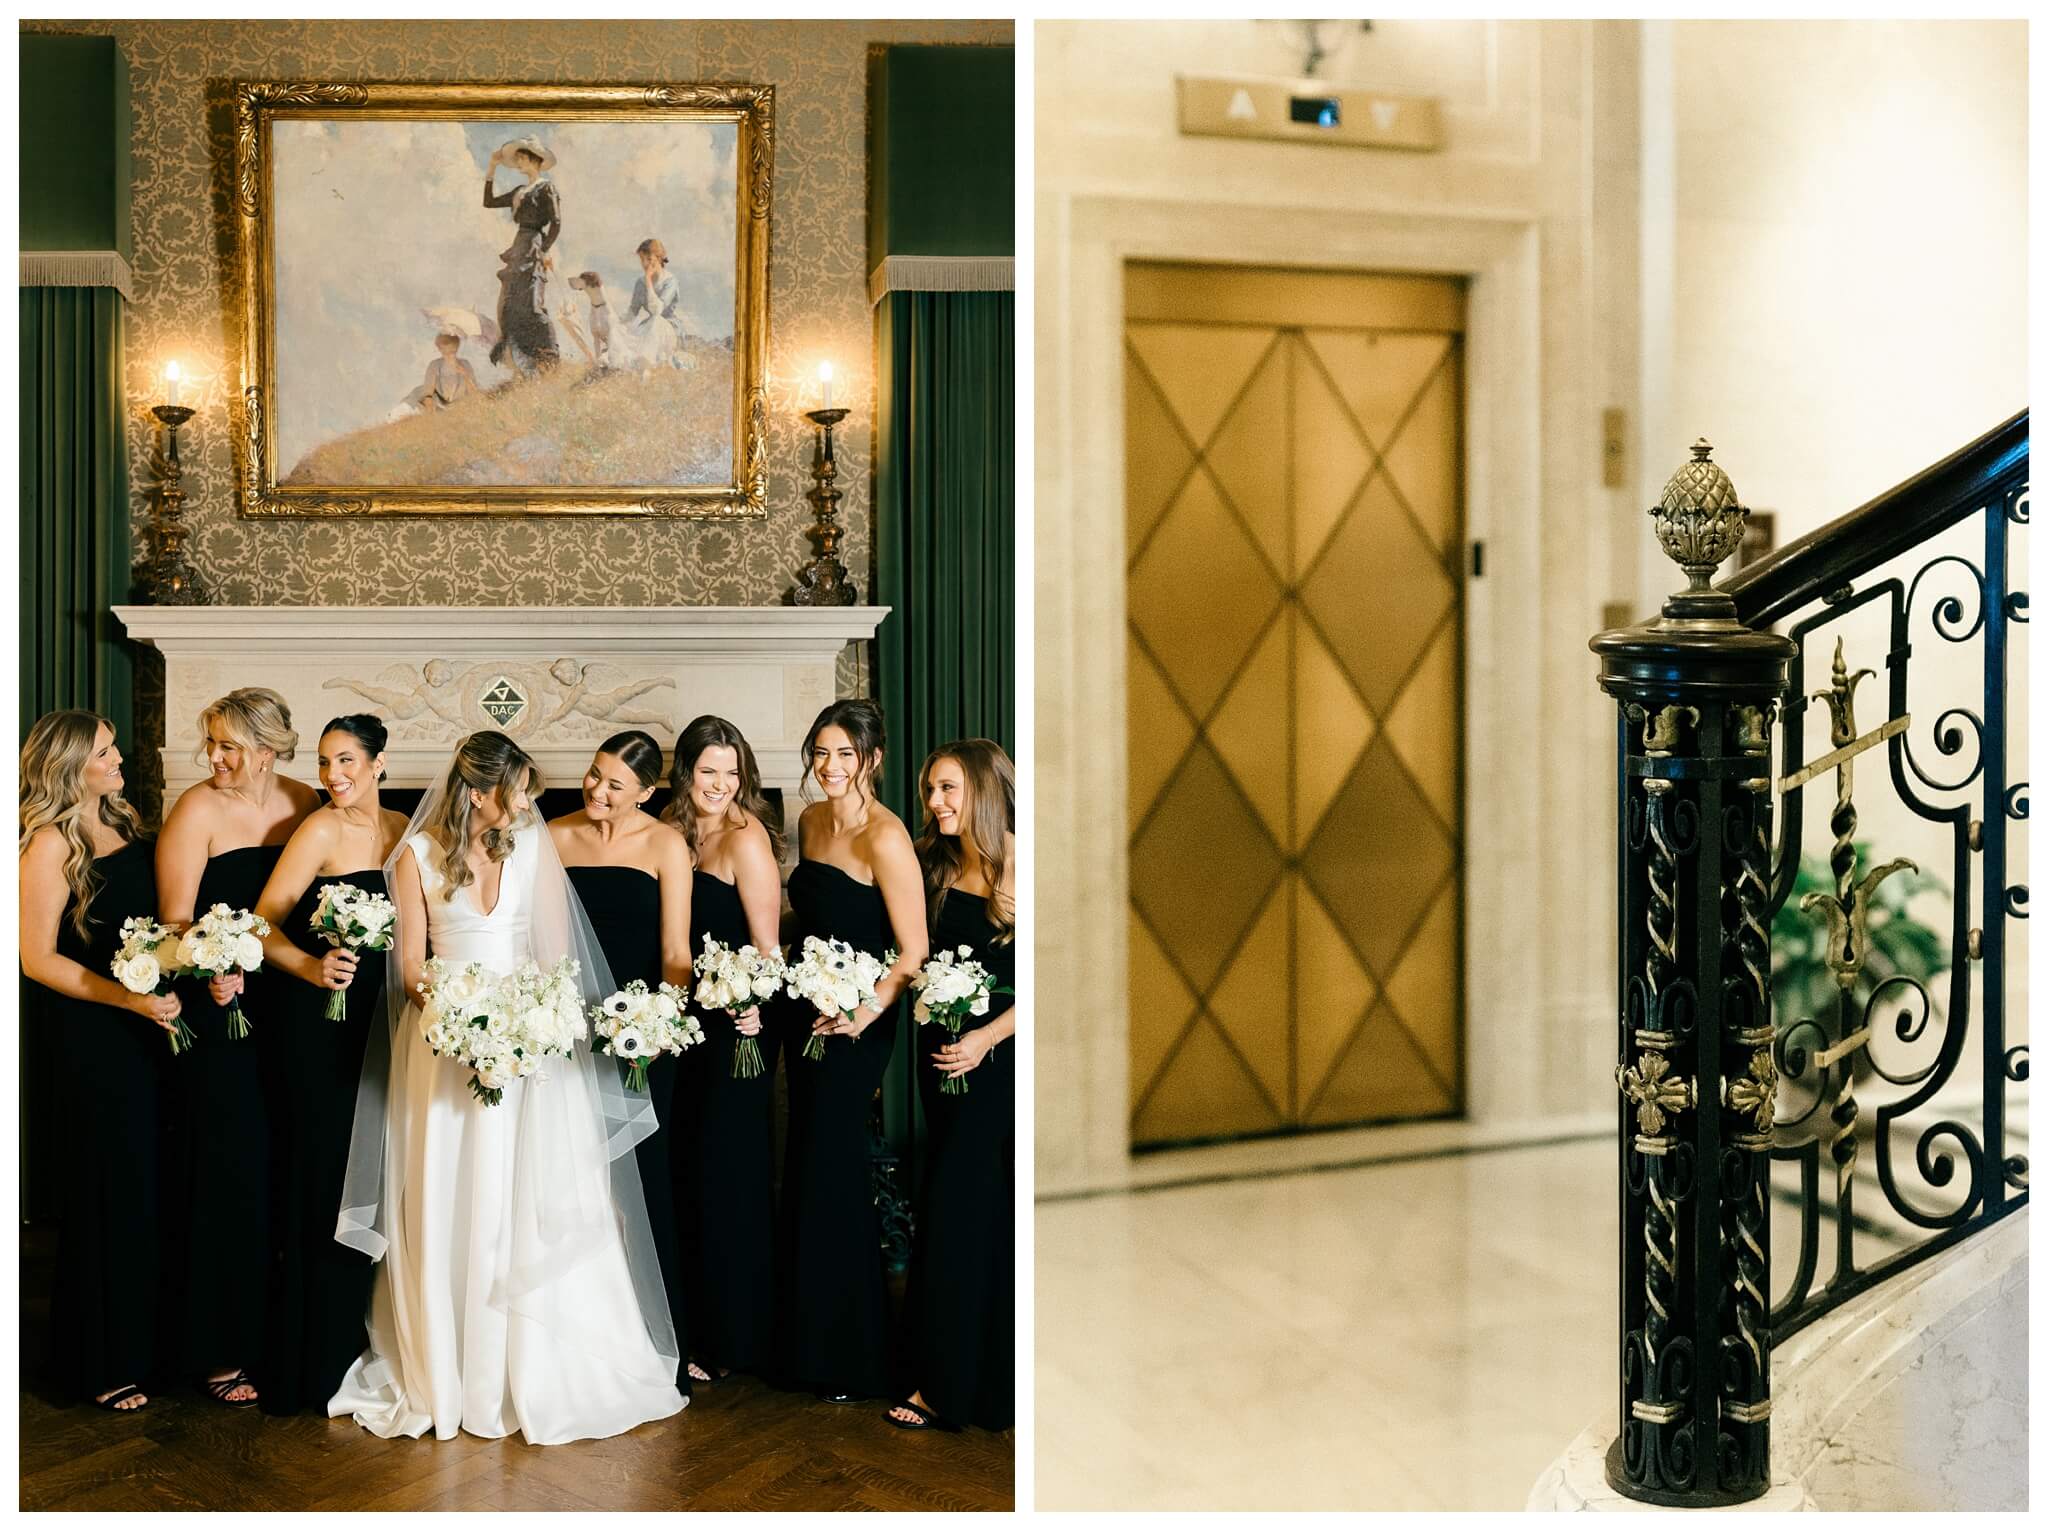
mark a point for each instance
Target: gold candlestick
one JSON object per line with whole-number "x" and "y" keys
{"x": 171, "y": 582}
{"x": 822, "y": 581}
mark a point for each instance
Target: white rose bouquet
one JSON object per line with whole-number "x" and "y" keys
{"x": 362, "y": 922}
{"x": 835, "y": 980}
{"x": 735, "y": 980}
{"x": 500, "y": 1026}
{"x": 639, "y": 1024}
{"x": 223, "y": 941}
{"x": 464, "y": 1015}
{"x": 145, "y": 963}
{"x": 951, "y": 987}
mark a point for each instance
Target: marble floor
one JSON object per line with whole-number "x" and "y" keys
{"x": 1417, "y": 1335}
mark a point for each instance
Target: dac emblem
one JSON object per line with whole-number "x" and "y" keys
{"x": 502, "y": 702}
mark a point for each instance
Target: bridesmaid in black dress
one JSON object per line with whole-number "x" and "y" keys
{"x": 724, "y": 1136}
{"x": 856, "y": 879}
{"x": 320, "y": 1289}
{"x": 84, "y": 869}
{"x": 962, "y": 1297}
{"x": 218, "y": 846}
{"x": 632, "y": 873}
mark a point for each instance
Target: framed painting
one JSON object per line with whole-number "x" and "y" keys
{"x": 503, "y": 299}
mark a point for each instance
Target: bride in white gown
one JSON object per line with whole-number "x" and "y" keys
{"x": 517, "y": 1287}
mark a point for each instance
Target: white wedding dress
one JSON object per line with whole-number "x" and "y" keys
{"x": 505, "y": 1300}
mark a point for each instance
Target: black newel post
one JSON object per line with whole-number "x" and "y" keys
{"x": 1698, "y": 695}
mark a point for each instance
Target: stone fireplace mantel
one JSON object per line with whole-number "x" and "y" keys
{"x": 557, "y": 679}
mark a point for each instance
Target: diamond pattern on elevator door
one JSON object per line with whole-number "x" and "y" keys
{"x": 1293, "y": 591}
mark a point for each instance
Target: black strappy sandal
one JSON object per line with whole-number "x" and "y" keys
{"x": 111, "y": 1403}
{"x": 926, "y": 1420}
{"x": 226, "y": 1385}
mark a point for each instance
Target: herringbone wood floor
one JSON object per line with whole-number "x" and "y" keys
{"x": 739, "y": 1446}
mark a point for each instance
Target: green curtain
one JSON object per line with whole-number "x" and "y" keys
{"x": 74, "y": 506}
{"x": 945, "y": 526}
{"x": 74, "y": 566}
{"x": 945, "y": 558}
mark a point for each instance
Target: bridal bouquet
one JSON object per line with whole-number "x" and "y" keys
{"x": 639, "y": 1024}
{"x": 145, "y": 963}
{"x": 500, "y": 1026}
{"x": 835, "y": 980}
{"x": 223, "y": 941}
{"x": 736, "y": 980}
{"x": 362, "y": 922}
{"x": 950, "y": 988}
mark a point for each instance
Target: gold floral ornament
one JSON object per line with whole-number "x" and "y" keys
{"x": 1755, "y": 1094}
{"x": 1655, "y": 1093}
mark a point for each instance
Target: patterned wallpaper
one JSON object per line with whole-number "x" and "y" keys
{"x": 182, "y": 73}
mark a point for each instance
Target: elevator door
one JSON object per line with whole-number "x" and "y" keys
{"x": 1294, "y": 575}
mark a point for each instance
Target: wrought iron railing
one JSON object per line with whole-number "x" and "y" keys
{"x": 1713, "y": 1093}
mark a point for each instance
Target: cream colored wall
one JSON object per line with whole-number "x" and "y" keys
{"x": 1851, "y": 271}
{"x": 1535, "y": 197}
{"x": 1849, "y": 305}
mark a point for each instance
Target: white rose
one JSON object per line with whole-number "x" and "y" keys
{"x": 140, "y": 974}
{"x": 249, "y": 951}
{"x": 664, "y": 1007}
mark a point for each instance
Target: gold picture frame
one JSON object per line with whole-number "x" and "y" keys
{"x": 725, "y": 480}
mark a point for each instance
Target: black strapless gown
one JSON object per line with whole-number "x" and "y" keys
{"x": 961, "y": 1302}
{"x": 321, "y": 1289}
{"x": 104, "y": 1311}
{"x": 624, "y": 905}
{"x": 835, "y": 1302}
{"x": 221, "y": 1199}
{"x": 725, "y": 1168}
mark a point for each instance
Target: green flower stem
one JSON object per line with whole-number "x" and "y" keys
{"x": 746, "y": 1059}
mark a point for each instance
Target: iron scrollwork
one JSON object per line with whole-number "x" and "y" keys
{"x": 1961, "y": 1173}
{"x": 1714, "y": 1095}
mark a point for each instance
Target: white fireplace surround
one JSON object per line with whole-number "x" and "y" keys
{"x": 557, "y": 679}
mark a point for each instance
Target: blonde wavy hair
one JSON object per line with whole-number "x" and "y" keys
{"x": 991, "y": 813}
{"x": 52, "y": 782}
{"x": 485, "y": 762}
{"x": 255, "y": 717}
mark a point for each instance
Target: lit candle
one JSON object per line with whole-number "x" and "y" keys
{"x": 825, "y": 377}
{"x": 171, "y": 376}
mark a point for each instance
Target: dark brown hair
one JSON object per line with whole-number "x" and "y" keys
{"x": 861, "y": 721}
{"x": 705, "y": 733}
{"x": 366, "y": 728}
{"x": 639, "y": 751}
